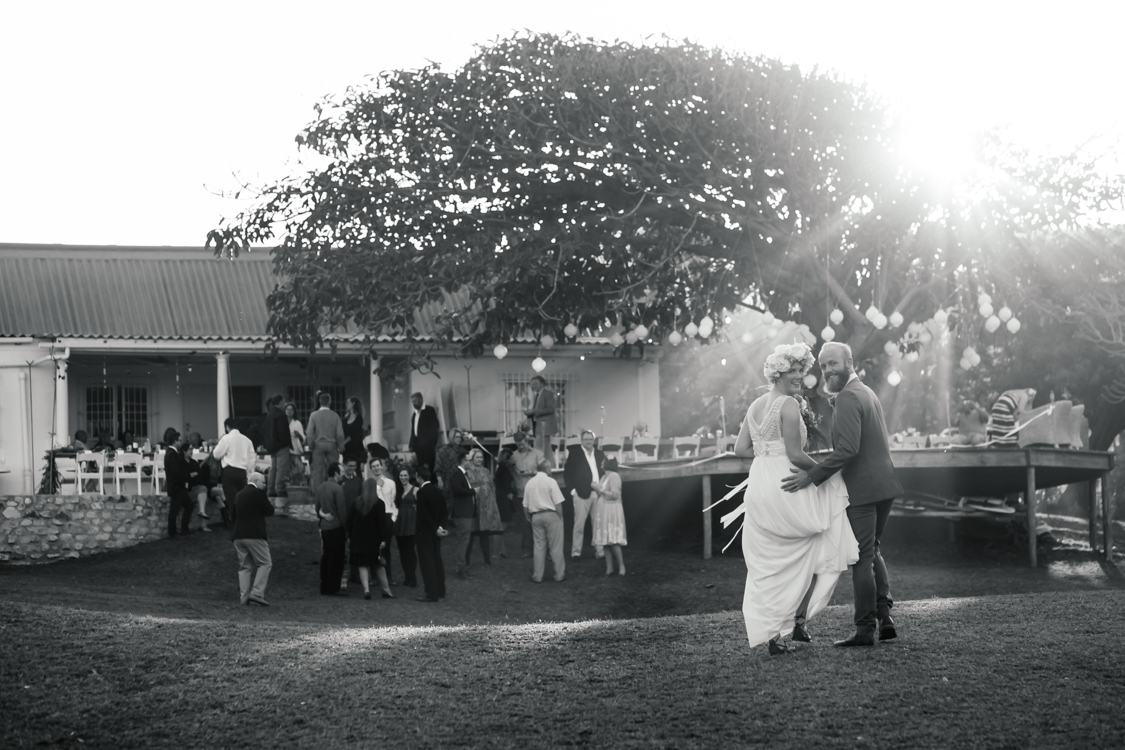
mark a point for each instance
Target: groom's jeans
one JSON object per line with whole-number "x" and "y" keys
{"x": 870, "y": 583}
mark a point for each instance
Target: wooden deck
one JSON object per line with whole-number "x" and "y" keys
{"x": 949, "y": 472}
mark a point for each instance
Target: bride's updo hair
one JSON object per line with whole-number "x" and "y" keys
{"x": 787, "y": 357}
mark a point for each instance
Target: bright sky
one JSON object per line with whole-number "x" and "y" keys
{"x": 121, "y": 121}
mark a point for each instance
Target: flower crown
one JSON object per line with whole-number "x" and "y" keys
{"x": 787, "y": 357}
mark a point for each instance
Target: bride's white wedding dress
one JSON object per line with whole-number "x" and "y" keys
{"x": 788, "y": 536}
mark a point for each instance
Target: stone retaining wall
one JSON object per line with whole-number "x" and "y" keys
{"x": 46, "y": 528}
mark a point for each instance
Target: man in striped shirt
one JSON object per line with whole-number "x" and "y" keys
{"x": 1005, "y": 412}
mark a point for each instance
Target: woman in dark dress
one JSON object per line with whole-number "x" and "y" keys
{"x": 369, "y": 532}
{"x": 505, "y": 496}
{"x": 353, "y": 433}
{"x": 406, "y": 525}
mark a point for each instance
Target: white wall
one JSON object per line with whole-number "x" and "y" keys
{"x": 17, "y": 441}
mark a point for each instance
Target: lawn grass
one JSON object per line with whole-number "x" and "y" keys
{"x": 148, "y": 647}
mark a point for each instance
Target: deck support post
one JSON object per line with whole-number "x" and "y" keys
{"x": 1092, "y": 513}
{"x": 707, "y": 517}
{"x": 1032, "y": 525}
{"x": 1107, "y": 522}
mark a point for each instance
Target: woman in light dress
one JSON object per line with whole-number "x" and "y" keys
{"x": 609, "y": 524}
{"x": 297, "y": 449}
{"x": 487, "y": 522}
{"x": 795, "y": 544}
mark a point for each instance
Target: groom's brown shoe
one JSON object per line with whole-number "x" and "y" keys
{"x": 859, "y": 639}
{"x": 887, "y": 629}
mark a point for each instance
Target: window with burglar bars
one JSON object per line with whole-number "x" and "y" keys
{"x": 113, "y": 410}
{"x": 518, "y": 398}
{"x": 302, "y": 397}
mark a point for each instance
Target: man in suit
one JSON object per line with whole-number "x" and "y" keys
{"x": 427, "y": 537}
{"x": 176, "y": 480}
{"x": 464, "y": 500}
{"x": 861, "y": 454}
{"x": 544, "y": 423}
{"x": 249, "y": 511}
{"x": 277, "y": 441}
{"x": 424, "y": 431}
{"x": 582, "y": 470}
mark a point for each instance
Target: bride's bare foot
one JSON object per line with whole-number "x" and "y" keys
{"x": 621, "y": 572}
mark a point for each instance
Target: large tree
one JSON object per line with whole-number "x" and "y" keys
{"x": 562, "y": 181}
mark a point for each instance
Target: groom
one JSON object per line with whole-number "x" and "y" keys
{"x": 861, "y": 453}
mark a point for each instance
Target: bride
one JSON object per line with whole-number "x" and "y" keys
{"x": 795, "y": 544}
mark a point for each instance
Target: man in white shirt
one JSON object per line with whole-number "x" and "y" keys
{"x": 236, "y": 453}
{"x": 581, "y": 472}
{"x": 542, "y": 507}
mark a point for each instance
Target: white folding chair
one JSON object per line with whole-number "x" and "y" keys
{"x": 91, "y": 468}
{"x": 158, "y": 473}
{"x": 610, "y": 447}
{"x": 558, "y": 446}
{"x": 67, "y": 469}
{"x": 727, "y": 443}
{"x": 685, "y": 447}
{"x": 645, "y": 449}
{"x": 126, "y": 466}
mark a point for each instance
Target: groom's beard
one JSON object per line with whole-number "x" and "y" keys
{"x": 835, "y": 383}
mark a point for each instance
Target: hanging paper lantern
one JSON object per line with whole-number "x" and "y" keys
{"x": 896, "y": 319}
{"x": 767, "y": 318}
{"x": 890, "y": 348}
{"x": 966, "y": 364}
{"x": 690, "y": 330}
{"x": 911, "y": 356}
{"x": 616, "y": 339}
{"x": 880, "y": 321}
{"x": 642, "y": 331}
{"x": 983, "y": 299}
{"x": 836, "y": 316}
{"x": 547, "y": 341}
{"x": 925, "y": 336}
{"x": 828, "y": 334}
{"x": 968, "y": 353}
{"x": 985, "y": 310}
{"x": 809, "y": 381}
{"x": 941, "y": 316}
{"x": 706, "y": 326}
{"x": 538, "y": 364}
{"x": 571, "y": 330}
{"x": 872, "y": 313}
{"x": 747, "y": 337}
{"x": 772, "y": 332}
{"x": 992, "y": 323}
{"x": 914, "y": 328}
{"x": 1014, "y": 325}
{"x": 975, "y": 359}
{"x": 631, "y": 337}
{"x": 674, "y": 338}
{"x": 894, "y": 377}
{"x": 1005, "y": 314}
{"x": 500, "y": 351}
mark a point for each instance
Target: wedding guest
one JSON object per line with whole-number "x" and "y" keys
{"x": 352, "y": 484}
{"x": 446, "y": 462}
{"x": 1005, "y": 415}
{"x": 524, "y": 465}
{"x": 542, "y": 506}
{"x": 208, "y": 476}
{"x": 81, "y": 441}
{"x": 406, "y": 526}
{"x": 277, "y": 441}
{"x": 249, "y": 511}
{"x": 370, "y": 535}
{"x": 429, "y": 530}
{"x": 296, "y": 444}
{"x": 424, "y": 431}
{"x": 326, "y": 438}
{"x": 544, "y": 423}
{"x": 236, "y": 454}
{"x": 176, "y": 482}
{"x": 505, "y": 497}
{"x": 333, "y": 516}
{"x": 486, "y": 522}
{"x": 354, "y": 432}
{"x": 581, "y": 473}
{"x": 609, "y": 524}
{"x": 463, "y": 497}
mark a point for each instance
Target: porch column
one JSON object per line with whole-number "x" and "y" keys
{"x": 375, "y": 400}
{"x": 62, "y": 405}
{"x": 222, "y": 388}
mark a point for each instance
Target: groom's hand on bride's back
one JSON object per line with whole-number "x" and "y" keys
{"x": 798, "y": 479}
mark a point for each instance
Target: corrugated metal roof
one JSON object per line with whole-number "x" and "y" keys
{"x": 155, "y": 293}
{"x": 159, "y": 293}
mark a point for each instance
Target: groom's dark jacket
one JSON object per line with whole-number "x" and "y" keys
{"x": 860, "y": 450}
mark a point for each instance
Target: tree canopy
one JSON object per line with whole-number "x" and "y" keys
{"x": 562, "y": 181}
